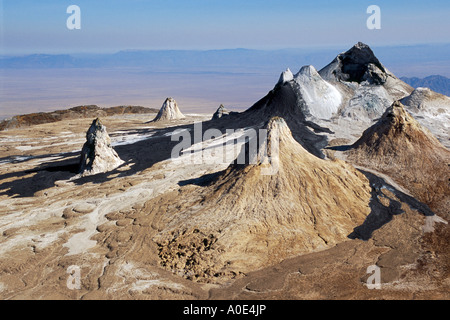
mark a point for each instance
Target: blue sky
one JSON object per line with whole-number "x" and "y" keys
{"x": 30, "y": 26}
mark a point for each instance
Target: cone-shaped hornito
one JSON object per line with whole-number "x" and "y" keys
{"x": 220, "y": 112}
{"x": 97, "y": 154}
{"x": 169, "y": 111}
{"x": 395, "y": 131}
{"x": 286, "y": 203}
{"x": 399, "y": 146}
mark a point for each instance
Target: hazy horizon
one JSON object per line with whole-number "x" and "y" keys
{"x": 199, "y": 80}
{"x": 101, "y": 68}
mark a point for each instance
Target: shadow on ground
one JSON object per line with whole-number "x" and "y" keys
{"x": 158, "y": 147}
{"x": 380, "y": 213}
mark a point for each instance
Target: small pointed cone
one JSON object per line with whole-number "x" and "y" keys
{"x": 97, "y": 154}
{"x": 220, "y": 112}
{"x": 286, "y": 76}
{"x": 169, "y": 111}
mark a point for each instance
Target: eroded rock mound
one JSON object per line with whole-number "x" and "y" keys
{"x": 424, "y": 100}
{"x": 97, "y": 154}
{"x": 169, "y": 111}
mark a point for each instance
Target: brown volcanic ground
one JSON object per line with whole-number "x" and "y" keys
{"x": 110, "y": 224}
{"x": 399, "y": 146}
{"x": 90, "y": 111}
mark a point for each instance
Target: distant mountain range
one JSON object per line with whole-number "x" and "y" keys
{"x": 436, "y": 83}
{"x": 415, "y": 60}
{"x": 229, "y": 61}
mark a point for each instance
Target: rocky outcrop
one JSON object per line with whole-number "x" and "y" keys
{"x": 98, "y": 155}
{"x": 169, "y": 111}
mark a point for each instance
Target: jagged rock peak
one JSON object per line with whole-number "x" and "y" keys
{"x": 169, "y": 111}
{"x": 358, "y": 64}
{"x": 360, "y": 53}
{"x": 220, "y": 112}
{"x": 286, "y": 76}
{"x": 277, "y": 132}
{"x": 97, "y": 154}
{"x": 396, "y": 120}
{"x": 401, "y": 147}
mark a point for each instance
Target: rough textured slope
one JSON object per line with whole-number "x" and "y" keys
{"x": 426, "y": 101}
{"x": 106, "y": 224}
{"x": 399, "y": 146}
{"x": 249, "y": 219}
